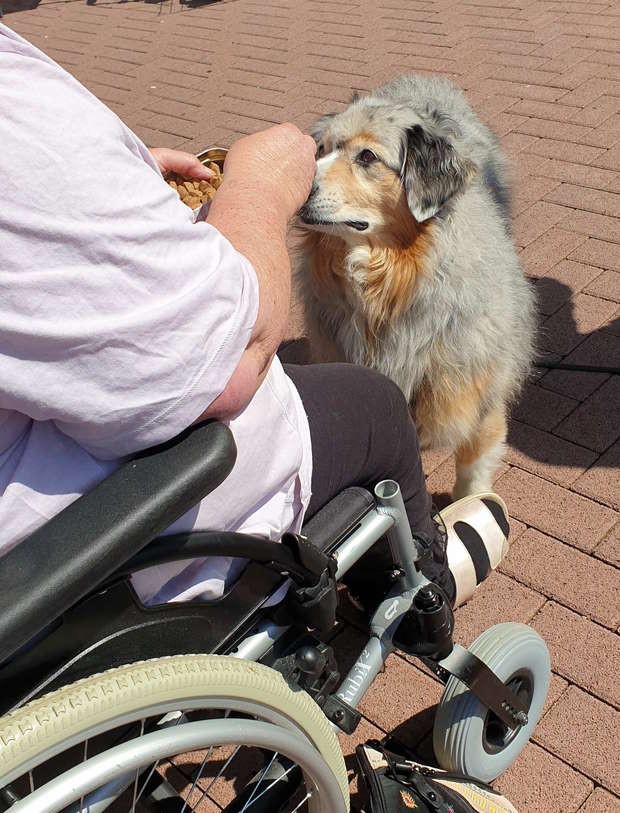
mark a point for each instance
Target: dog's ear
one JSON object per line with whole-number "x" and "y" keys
{"x": 433, "y": 171}
{"x": 318, "y": 128}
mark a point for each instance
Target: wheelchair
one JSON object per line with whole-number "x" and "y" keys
{"x": 234, "y": 704}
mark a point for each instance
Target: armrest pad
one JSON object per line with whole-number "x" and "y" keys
{"x": 78, "y": 548}
{"x": 338, "y": 518}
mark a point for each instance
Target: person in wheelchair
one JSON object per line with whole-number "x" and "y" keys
{"x": 124, "y": 323}
{"x": 178, "y": 503}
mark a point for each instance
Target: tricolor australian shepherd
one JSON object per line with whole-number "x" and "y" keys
{"x": 409, "y": 266}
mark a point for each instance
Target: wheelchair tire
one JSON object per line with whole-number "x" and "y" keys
{"x": 49, "y": 725}
{"x": 467, "y": 737}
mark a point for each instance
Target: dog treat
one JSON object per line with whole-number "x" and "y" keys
{"x": 195, "y": 193}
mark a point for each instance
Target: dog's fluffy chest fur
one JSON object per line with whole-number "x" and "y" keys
{"x": 439, "y": 313}
{"x": 367, "y": 300}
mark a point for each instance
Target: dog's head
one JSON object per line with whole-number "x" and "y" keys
{"x": 383, "y": 169}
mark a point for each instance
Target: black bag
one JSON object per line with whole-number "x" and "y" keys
{"x": 398, "y": 785}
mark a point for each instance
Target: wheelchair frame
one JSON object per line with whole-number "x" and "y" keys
{"x": 260, "y": 642}
{"x": 31, "y": 670}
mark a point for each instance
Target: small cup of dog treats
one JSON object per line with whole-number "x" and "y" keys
{"x": 199, "y": 194}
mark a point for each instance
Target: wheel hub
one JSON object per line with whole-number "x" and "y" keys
{"x": 497, "y": 735}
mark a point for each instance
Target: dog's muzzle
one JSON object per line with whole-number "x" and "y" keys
{"x": 307, "y": 216}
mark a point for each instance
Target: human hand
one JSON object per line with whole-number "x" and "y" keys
{"x": 183, "y": 163}
{"x": 275, "y": 165}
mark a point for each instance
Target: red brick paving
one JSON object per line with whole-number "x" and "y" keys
{"x": 540, "y": 781}
{"x": 571, "y": 639}
{"x": 592, "y": 424}
{"x": 545, "y": 75}
{"x": 566, "y": 574}
{"x": 600, "y": 802}
{"x": 593, "y": 750}
{"x": 609, "y": 548}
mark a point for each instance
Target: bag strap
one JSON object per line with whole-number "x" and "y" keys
{"x": 406, "y": 767}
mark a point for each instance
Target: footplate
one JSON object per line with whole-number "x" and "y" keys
{"x": 485, "y": 684}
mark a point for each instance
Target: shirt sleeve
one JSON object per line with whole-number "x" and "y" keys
{"x": 122, "y": 320}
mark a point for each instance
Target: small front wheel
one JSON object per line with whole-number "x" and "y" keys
{"x": 470, "y": 739}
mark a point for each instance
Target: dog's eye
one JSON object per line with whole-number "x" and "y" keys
{"x": 320, "y": 151}
{"x": 366, "y": 157}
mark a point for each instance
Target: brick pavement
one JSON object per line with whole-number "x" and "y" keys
{"x": 545, "y": 75}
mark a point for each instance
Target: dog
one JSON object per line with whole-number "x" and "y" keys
{"x": 408, "y": 265}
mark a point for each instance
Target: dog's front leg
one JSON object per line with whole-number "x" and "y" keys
{"x": 477, "y": 458}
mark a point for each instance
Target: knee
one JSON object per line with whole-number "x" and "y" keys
{"x": 387, "y": 411}
{"x": 387, "y": 394}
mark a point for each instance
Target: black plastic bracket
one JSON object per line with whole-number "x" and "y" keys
{"x": 315, "y": 607}
{"x": 341, "y": 714}
{"x": 317, "y": 671}
{"x": 485, "y": 684}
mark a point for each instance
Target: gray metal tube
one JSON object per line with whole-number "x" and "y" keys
{"x": 70, "y": 786}
{"x": 256, "y": 645}
{"x": 363, "y": 672}
{"x": 404, "y": 547}
{"x": 371, "y": 528}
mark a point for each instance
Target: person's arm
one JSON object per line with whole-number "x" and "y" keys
{"x": 260, "y": 236}
{"x": 129, "y": 318}
{"x": 267, "y": 178}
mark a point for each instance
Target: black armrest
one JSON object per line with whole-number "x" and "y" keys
{"x": 76, "y": 550}
{"x": 338, "y": 518}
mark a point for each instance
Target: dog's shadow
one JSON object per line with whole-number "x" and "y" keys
{"x": 12, "y": 6}
{"x": 560, "y": 342}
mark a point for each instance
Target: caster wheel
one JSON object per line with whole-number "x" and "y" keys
{"x": 470, "y": 739}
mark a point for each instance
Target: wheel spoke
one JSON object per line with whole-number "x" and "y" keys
{"x": 275, "y": 782}
{"x": 197, "y": 778}
{"x": 305, "y": 799}
{"x": 259, "y": 780}
{"x": 135, "y": 781}
{"x": 201, "y": 769}
{"x": 219, "y": 774}
{"x": 156, "y": 764}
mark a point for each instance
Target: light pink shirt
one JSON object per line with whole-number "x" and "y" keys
{"x": 120, "y": 322}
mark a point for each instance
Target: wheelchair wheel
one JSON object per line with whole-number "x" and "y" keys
{"x": 470, "y": 739}
{"x": 103, "y": 743}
